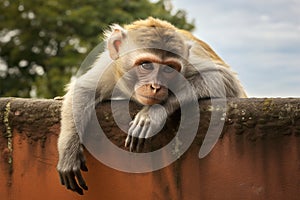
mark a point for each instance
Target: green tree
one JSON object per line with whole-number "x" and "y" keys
{"x": 42, "y": 43}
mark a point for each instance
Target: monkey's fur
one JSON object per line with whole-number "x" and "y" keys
{"x": 143, "y": 46}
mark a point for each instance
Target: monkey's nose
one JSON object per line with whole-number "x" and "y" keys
{"x": 155, "y": 87}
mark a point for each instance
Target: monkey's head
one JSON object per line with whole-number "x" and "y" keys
{"x": 150, "y": 53}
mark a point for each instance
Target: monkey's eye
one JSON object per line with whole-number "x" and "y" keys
{"x": 168, "y": 69}
{"x": 147, "y": 66}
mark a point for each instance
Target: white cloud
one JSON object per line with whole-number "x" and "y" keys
{"x": 260, "y": 39}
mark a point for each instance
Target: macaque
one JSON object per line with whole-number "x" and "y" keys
{"x": 142, "y": 60}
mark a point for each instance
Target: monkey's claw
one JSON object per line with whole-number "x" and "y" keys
{"x": 147, "y": 123}
{"x": 70, "y": 174}
{"x": 134, "y": 144}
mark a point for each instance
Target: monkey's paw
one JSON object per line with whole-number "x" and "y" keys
{"x": 148, "y": 122}
{"x": 69, "y": 170}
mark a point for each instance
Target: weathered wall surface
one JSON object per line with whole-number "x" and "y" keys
{"x": 256, "y": 157}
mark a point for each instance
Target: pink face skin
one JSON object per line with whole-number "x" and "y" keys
{"x": 154, "y": 75}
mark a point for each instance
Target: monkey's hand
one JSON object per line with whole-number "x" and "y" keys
{"x": 69, "y": 167}
{"x": 148, "y": 122}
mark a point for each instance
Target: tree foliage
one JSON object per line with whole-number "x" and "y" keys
{"x": 42, "y": 43}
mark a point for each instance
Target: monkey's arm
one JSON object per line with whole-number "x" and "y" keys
{"x": 209, "y": 82}
{"x": 71, "y": 158}
{"x": 78, "y": 105}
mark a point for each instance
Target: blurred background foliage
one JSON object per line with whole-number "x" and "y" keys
{"x": 43, "y": 42}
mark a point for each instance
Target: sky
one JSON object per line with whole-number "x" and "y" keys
{"x": 259, "y": 39}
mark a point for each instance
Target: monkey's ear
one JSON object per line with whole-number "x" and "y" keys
{"x": 189, "y": 44}
{"x": 115, "y": 40}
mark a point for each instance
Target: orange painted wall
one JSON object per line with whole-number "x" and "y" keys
{"x": 235, "y": 169}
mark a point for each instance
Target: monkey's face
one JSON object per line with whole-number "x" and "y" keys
{"x": 154, "y": 55}
{"x": 153, "y": 79}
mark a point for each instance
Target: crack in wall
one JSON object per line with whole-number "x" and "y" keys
{"x": 8, "y": 134}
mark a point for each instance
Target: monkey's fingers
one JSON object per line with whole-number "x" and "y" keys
{"x": 141, "y": 140}
{"x": 129, "y": 135}
{"x": 136, "y": 132}
{"x": 127, "y": 141}
{"x": 132, "y": 128}
{"x": 143, "y": 132}
{"x": 81, "y": 180}
{"x": 61, "y": 179}
{"x": 133, "y": 144}
{"x": 73, "y": 183}
{"x": 149, "y": 132}
{"x": 64, "y": 180}
{"x": 83, "y": 167}
{"x": 140, "y": 144}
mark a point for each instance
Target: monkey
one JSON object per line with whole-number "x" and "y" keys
{"x": 142, "y": 60}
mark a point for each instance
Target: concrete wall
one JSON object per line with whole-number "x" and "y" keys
{"x": 256, "y": 157}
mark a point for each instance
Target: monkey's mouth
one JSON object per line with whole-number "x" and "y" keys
{"x": 148, "y": 100}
